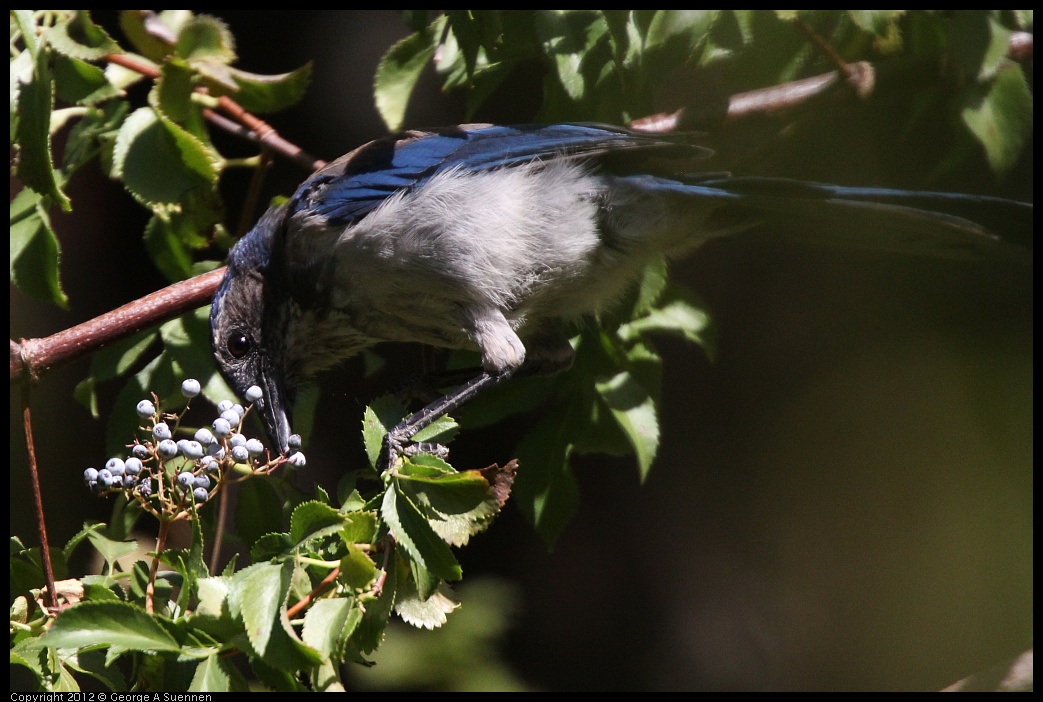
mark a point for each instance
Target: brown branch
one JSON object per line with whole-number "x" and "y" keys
{"x": 256, "y": 129}
{"x": 33, "y": 357}
{"x": 859, "y": 77}
{"x": 766, "y": 100}
{"x": 299, "y": 606}
{"x": 50, "y": 596}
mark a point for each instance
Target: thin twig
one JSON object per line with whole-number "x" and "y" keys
{"x": 50, "y": 596}
{"x": 150, "y": 587}
{"x": 316, "y": 591}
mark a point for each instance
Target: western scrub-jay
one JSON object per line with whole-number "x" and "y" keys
{"x": 488, "y": 237}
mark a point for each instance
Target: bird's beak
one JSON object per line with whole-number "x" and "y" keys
{"x": 274, "y": 407}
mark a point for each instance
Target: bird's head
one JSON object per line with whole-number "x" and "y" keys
{"x": 247, "y": 323}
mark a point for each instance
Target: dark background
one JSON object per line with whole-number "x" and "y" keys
{"x": 842, "y": 499}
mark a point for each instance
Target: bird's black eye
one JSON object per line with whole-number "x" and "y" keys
{"x": 238, "y": 344}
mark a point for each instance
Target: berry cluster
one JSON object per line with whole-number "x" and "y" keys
{"x": 169, "y": 475}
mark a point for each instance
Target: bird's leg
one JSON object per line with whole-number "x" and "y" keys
{"x": 502, "y": 354}
{"x": 397, "y": 438}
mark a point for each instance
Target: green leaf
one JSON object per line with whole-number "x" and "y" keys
{"x": 212, "y": 594}
{"x": 416, "y": 536}
{"x": 381, "y": 414}
{"x": 635, "y": 411}
{"x": 457, "y": 505}
{"x": 111, "y": 362}
{"x": 545, "y": 488}
{"x": 979, "y": 43}
{"x": 172, "y": 96}
{"x": 101, "y": 624}
{"x": 205, "y": 38}
{"x": 216, "y": 674}
{"x": 261, "y": 94}
{"x": 78, "y": 538}
{"x": 683, "y": 29}
{"x": 79, "y": 82}
{"x": 328, "y": 625}
{"x": 80, "y": 38}
{"x": 35, "y": 252}
{"x": 429, "y": 613}
{"x": 35, "y": 163}
{"x": 133, "y": 26}
{"x": 258, "y": 596}
{"x": 878, "y": 22}
{"x": 93, "y": 136}
{"x": 680, "y": 313}
{"x": 111, "y": 549}
{"x": 568, "y": 38}
{"x": 360, "y": 528}
{"x": 312, "y": 520}
{"x": 158, "y": 162}
{"x": 441, "y": 431}
{"x": 399, "y": 70}
{"x": 370, "y": 631}
{"x": 92, "y": 663}
{"x": 1000, "y": 117}
{"x": 357, "y": 570}
{"x": 271, "y": 546}
{"x": 166, "y": 248}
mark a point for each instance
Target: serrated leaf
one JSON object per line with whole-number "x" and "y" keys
{"x": 34, "y": 250}
{"x": 271, "y": 546}
{"x": 79, "y": 537}
{"x": 329, "y": 623}
{"x": 210, "y": 676}
{"x": 1000, "y": 117}
{"x": 430, "y": 613}
{"x": 79, "y": 37}
{"x": 416, "y": 536}
{"x": 357, "y": 570}
{"x": 81, "y": 83}
{"x": 111, "y": 549}
{"x": 381, "y": 414}
{"x": 205, "y": 38}
{"x": 399, "y": 70}
{"x": 440, "y": 431}
{"x": 109, "y": 624}
{"x": 370, "y": 631}
{"x": 360, "y": 528}
{"x": 259, "y": 598}
{"x": 457, "y": 506}
{"x": 172, "y": 96}
{"x": 158, "y": 162}
{"x": 212, "y": 594}
{"x": 261, "y": 94}
{"x": 35, "y": 163}
{"x": 133, "y": 26}
{"x": 313, "y": 519}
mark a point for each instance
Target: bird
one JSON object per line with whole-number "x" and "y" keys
{"x": 498, "y": 238}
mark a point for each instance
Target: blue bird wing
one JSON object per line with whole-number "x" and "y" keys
{"x": 351, "y": 187}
